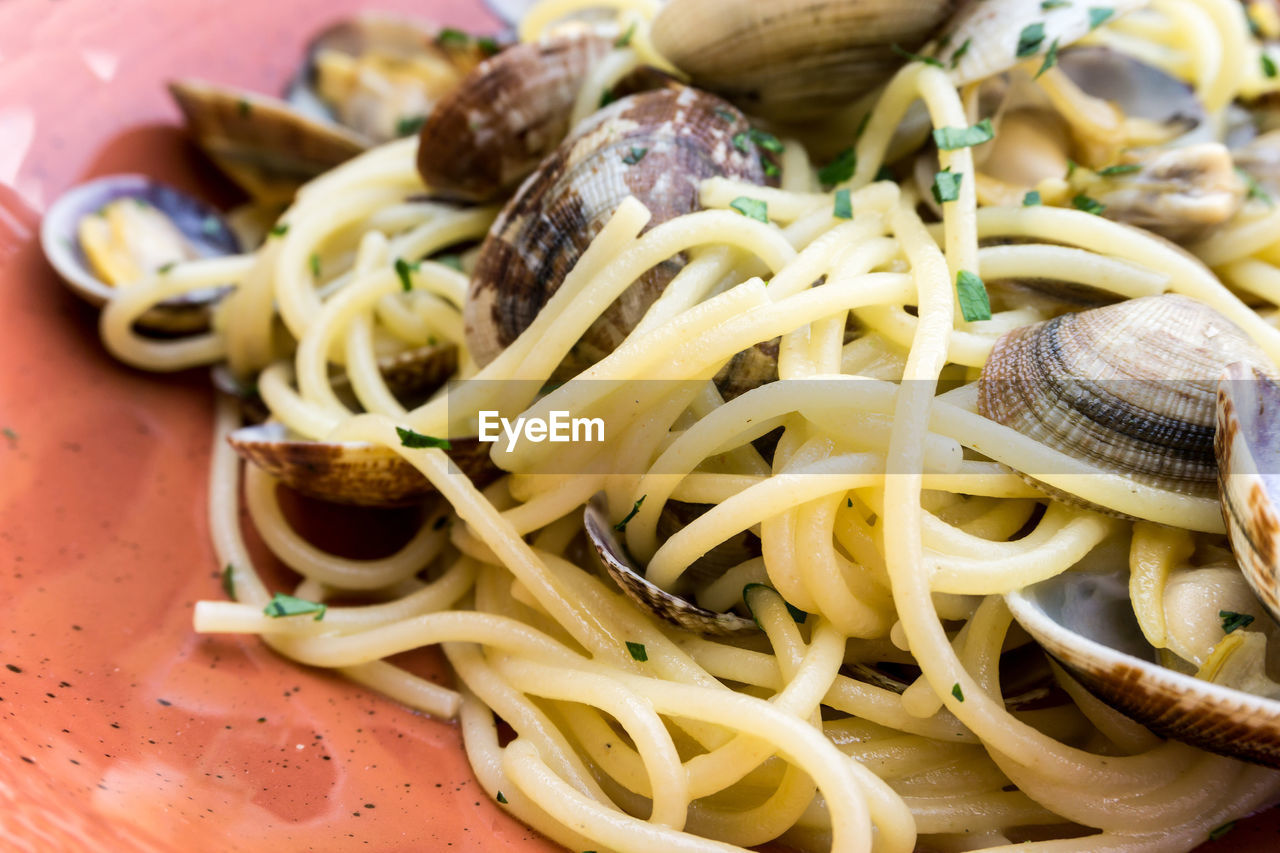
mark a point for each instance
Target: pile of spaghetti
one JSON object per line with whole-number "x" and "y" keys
{"x": 891, "y": 516}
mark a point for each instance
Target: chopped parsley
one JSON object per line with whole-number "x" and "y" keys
{"x": 1050, "y": 58}
{"x": 957, "y": 692}
{"x": 843, "y": 208}
{"x": 1071, "y": 168}
{"x": 501, "y": 798}
{"x": 915, "y": 57}
{"x": 951, "y": 138}
{"x": 946, "y": 185}
{"x": 625, "y": 39}
{"x": 840, "y": 169}
{"x": 884, "y": 173}
{"x": 409, "y": 125}
{"x": 726, "y": 115}
{"x": 972, "y": 292}
{"x": 1048, "y": 5}
{"x": 451, "y": 261}
{"x": 771, "y": 169}
{"x": 766, "y": 140}
{"x": 1218, "y": 832}
{"x": 1256, "y": 190}
{"x": 1030, "y": 39}
{"x": 416, "y": 440}
{"x": 244, "y": 108}
{"x": 280, "y": 229}
{"x": 849, "y": 502}
{"x": 960, "y": 52}
{"x": 1031, "y": 199}
{"x": 1099, "y": 15}
{"x": 488, "y": 45}
{"x": 1119, "y": 169}
{"x": 287, "y": 605}
{"x": 405, "y": 271}
{"x": 315, "y": 265}
{"x": 621, "y": 526}
{"x": 797, "y": 615}
{"x": 450, "y": 36}
{"x": 862, "y": 125}
{"x": 607, "y": 97}
{"x": 164, "y": 268}
{"x": 1232, "y": 620}
{"x": 1268, "y": 66}
{"x": 637, "y": 651}
{"x": 752, "y": 208}
{"x": 635, "y": 155}
{"x": 229, "y": 581}
{"x": 1088, "y": 205}
{"x": 11, "y": 434}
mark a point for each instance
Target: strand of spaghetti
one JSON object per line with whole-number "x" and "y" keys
{"x": 411, "y": 690}
{"x": 946, "y": 538}
{"x": 115, "y": 325}
{"x": 308, "y": 560}
{"x": 599, "y": 80}
{"x": 1215, "y": 30}
{"x": 850, "y": 596}
{"x": 287, "y": 406}
{"x": 245, "y": 316}
{"x": 1253, "y": 276}
{"x": 224, "y": 499}
{"x": 1072, "y": 265}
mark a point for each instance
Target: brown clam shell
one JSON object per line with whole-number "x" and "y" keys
{"x": 509, "y": 113}
{"x": 793, "y": 60}
{"x": 657, "y": 146}
{"x": 1248, "y": 451}
{"x": 669, "y": 607}
{"x": 352, "y": 472}
{"x": 1130, "y": 387}
{"x": 262, "y": 143}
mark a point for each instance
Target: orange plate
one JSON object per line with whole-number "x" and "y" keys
{"x": 119, "y": 728}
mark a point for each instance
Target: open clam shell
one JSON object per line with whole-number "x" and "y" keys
{"x": 672, "y": 608}
{"x": 1248, "y": 450}
{"x": 352, "y": 472}
{"x": 1086, "y": 622}
{"x": 203, "y": 228}
{"x": 266, "y": 145}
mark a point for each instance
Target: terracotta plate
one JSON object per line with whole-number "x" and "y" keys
{"x": 120, "y": 729}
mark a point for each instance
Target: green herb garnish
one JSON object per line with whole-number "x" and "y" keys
{"x": 501, "y": 798}
{"x": 450, "y": 36}
{"x": 946, "y": 185}
{"x": 1268, "y": 66}
{"x": 797, "y": 615}
{"x": 1030, "y": 39}
{"x": 862, "y": 126}
{"x": 409, "y": 125}
{"x": 957, "y": 692}
{"x": 279, "y": 230}
{"x": 960, "y": 52}
{"x": 1050, "y": 58}
{"x": 625, "y": 39}
{"x": 1099, "y": 15}
{"x": 637, "y": 651}
{"x": 1232, "y": 620}
{"x": 229, "y": 581}
{"x": 766, "y": 140}
{"x": 843, "y": 208}
{"x": 607, "y": 97}
{"x": 405, "y": 271}
{"x": 164, "y": 268}
{"x": 287, "y": 605}
{"x": 1119, "y": 169}
{"x": 1031, "y": 199}
{"x": 1047, "y": 5}
{"x": 244, "y": 108}
{"x": 488, "y": 45}
{"x": 972, "y": 293}
{"x": 315, "y": 265}
{"x": 726, "y": 115}
{"x": 635, "y": 155}
{"x": 752, "y": 208}
{"x": 411, "y": 438}
{"x": 1218, "y": 832}
{"x": 1256, "y": 190}
{"x": 621, "y": 526}
{"x": 451, "y": 261}
{"x": 840, "y": 169}
{"x": 951, "y": 138}
{"x": 915, "y": 57}
{"x": 1088, "y": 205}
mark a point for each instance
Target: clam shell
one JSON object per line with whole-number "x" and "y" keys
{"x": 793, "y": 60}
{"x": 506, "y": 116}
{"x": 1248, "y": 451}
{"x": 1130, "y": 386}
{"x": 203, "y": 226}
{"x": 1086, "y": 622}
{"x": 352, "y": 472}
{"x": 264, "y": 144}
{"x": 1140, "y": 90}
{"x": 675, "y": 139}
{"x": 671, "y": 608}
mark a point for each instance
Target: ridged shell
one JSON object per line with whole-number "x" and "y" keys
{"x": 1248, "y": 450}
{"x": 508, "y": 114}
{"x": 671, "y": 608}
{"x": 1130, "y": 387}
{"x": 792, "y": 60}
{"x": 352, "y": 472}
{"x": 1086, "y": 622}
{"x": 262, "y": 143}
{"x": 676, "y": 138}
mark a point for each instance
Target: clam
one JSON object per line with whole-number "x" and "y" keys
{"x": 262, "y": 143}
{"x": 1248, "y": 450}
{"x": 109, "y": 232}
{"x": 793, "y": 60}
{"x": 1085, "y": 620}
{"x": 1260, "y": 159}
{"x": 508, "y": 114}
{"x": 657, "y": 146}
{"x": 1130, "y": 387}
{"x": 672, "y": 608}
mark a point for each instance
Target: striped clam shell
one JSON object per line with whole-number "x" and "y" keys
{"x": 1248, "y": 450}
{"x": 657, "y": 146}
{"x": 1130, "y": 387}
{"x": 509, "y": 113}
{"x": 793, "y": 60}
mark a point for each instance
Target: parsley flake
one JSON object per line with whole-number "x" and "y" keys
{"x": 451, "y": 261}
{"x": 1255, "y": 189}
{"x": 1088, "y": 205}
{"x": 637, "y": 651}
{"x": 405, "y": 271}
{"x": 960, "y": 52}
{"x": 862, "y": 126}
{"x": 1218, "y": 832}
{"x": 164, "y": 268}
{"x": 1269, "y": 66}
{"x": 286, "y": 605}
{"x": 1119, "y": 169}
{"x": 244, "y": 108}
{"x": 1232, "y": 620}
{"x": 752, "y": 208}
{"x": 635, "y": 155}
{"x": 771, "y": 169}
{"x": 946, "y": 185}
{"x": 625, "y": 39}
{"x": 915, "y": 57}
{"x": 952, "y": 138}
{"x": 1030, "y": 39}
{"x": 1099, "y": 15}
{"x": 621, "y": 526}
{"x": 840, "y": 169}
{"x": 280, "y": 229}
{"x": 488, "y": 45}
{"x": 957, "y": 692}
{"x": 501, "y": 798}
{"x": 1050, "y": 58}
{"x": 409, "y": 125}
{"x": 726, "y": 115}
{"x": 884, "y": 173}
{"x": 1031, "y": 199}
{"x": 607, "y": 97}
{"x": 766, "y": 140}
{"x": 843, "y": 208}
{"x": 797, "y": 615}
{"x": 229, "y": 581}
{"x": 1048, "y": 5}
{"x": 972, "y": 293}
{"x": 450, "y": 36}
{"x": 416, "y": 440}
{"x": 315, "y": 265}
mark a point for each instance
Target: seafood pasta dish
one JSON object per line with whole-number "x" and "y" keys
{"x": 844, "y": 424}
